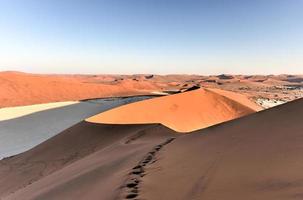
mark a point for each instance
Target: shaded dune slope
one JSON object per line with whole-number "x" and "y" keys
{"x": 182, "y": 112}
{"x": 77, "y": 154}
{"x": 255, "y": 157}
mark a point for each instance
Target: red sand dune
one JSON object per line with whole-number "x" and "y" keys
{"x": 255, "y": 157}
{"x": 25, "y": 89}
{"x": 182, "y": 112}
{"x": 19, "y": 89}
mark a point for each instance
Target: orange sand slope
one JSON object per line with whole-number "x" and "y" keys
{"x": 182, "y": 112}
{"x": 19, "y": 89}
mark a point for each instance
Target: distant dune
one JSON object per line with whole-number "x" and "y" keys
{"x": 18, "y": 89}
{"x": 182, "y": 112}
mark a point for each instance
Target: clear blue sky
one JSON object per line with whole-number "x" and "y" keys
{"x": 152, "y": 36}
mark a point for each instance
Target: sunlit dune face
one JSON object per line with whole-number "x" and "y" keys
{"x": 184, "y": 112}
{"x": 238, "y": 98}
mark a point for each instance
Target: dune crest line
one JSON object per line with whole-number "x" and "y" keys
{"x": 182, "y": 112}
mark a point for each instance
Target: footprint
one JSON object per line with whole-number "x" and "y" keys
{"x": 137, "y": 172}
{"x": 131, "y": 196}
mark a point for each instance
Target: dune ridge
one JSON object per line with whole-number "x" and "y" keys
{"x": 184, "y": 112}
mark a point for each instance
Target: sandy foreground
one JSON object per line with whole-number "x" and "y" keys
{"x": 254, "y": 157}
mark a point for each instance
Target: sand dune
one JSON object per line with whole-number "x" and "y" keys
{"x": 237, "y": 97}
{"x": 138, "y": 153}
{"x": 182, "y": 112}
{"x": 19, "y": 89}
{"x": 254, "y": 157}
{"x": 97, "y": 154}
